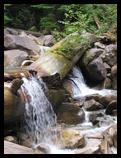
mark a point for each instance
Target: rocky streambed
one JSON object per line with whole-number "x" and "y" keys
{"x": 84, "y": 98}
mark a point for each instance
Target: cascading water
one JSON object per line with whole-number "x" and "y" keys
{"x": 80, "y": 90}
{"x": 40, "y": 120}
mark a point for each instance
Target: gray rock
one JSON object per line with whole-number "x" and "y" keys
{"x": 96, "y": 70}
{"x": 14, "y": 58}
{"x": 21, "y": 42}
{"x": 90, "y": 55}
{"x": 48, "y": 40}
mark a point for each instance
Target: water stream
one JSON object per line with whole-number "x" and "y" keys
{"x": 40, "y": 121}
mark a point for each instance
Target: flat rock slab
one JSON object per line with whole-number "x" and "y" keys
{"x": 12, "y": 148}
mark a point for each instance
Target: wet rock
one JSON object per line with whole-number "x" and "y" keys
{"x": 109, "y": 141}
{"x": 72, "y": 139}
{"x": 22, "y": 42}
{"x": 92, "y": 105}
{"x": 91, "y": 54}
{"x": 93, "y": 117}
{"x": 107, "y": 83}
{"x": 96, "y": 70}
{"x": 14, "y": 58}
{"x": 92, "y": 146}
{"x": 111, "y": 107}
{"x": 13, "y": 107}
{"x": 56, "y": 97}
{"x": 104, "y": 100}
{"x": 114, "y": 76}
{"x": 68, "y": 86}
{"x": 11, "y": 139}
{"x": 104, "y": 121}
{"x": 70, "y": 114}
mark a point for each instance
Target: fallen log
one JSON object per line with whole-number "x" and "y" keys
{"x": 61, "y": 57}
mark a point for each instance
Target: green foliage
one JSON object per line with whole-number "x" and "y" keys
{"x": 81, "y": 17}
{"x": 61, "y": 19}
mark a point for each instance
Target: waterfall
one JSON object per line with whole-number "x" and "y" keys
{"x": 80, "y": 89}
{"x": 40, "y": 120}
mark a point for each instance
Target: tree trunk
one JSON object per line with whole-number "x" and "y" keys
{"x": 61, "y": 57}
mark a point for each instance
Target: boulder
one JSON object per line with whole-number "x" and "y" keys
{"x": 92, "y": 105}
{"x": 14, "y": 58}
{"x": 96, "y": 70}
{"x": 13, "y": 106}
{"x": 104, "y": 100}
{"x": 94, "y": 115}
{"x": 11, "y": 139}
{"x": 109, "y": 141}
{"x": 72, "y": 139}
{"x": 21, "y": 42}
{"x": 108, "y": 83}
{"x": 111, "y": 107}
{"x": 12, "y": 148}
{"x": 48, "y": 40}
{"x": 56, "y": 97}
{"x": 114, "y": 76}
{"x": 90, "y": 55}
{"x": 68, "y": 86}
{"x": 110, "y": 55}
{"x": 69, "y": 113}
{"x": 111, "y": 48}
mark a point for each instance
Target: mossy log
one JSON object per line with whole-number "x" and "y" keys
{"x": 61, "y": 57}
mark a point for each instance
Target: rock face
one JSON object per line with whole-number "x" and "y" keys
{"x": 70, "y": 114}
{"x": 22, "y": 42}
{"x": 72, "y": 139}
{"x": 14, "y": 58}
{"x": 96, "y": 70}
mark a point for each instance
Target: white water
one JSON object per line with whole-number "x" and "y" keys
{"x": 40, "y": 119}
{"x": 43, "y": 129}
{"x": 80, "y": 89}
